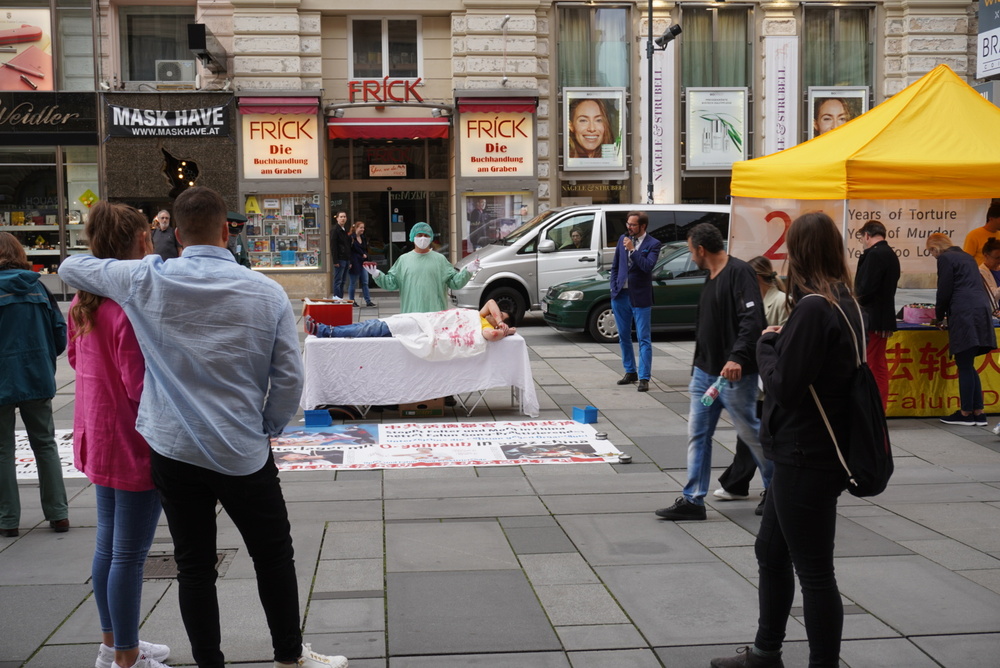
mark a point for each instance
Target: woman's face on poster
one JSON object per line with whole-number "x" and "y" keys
{"x": 589, "y": 126}
{"x": 831, "y": 114}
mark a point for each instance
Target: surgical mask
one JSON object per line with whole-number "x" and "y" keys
{"x": 422, "y": 243}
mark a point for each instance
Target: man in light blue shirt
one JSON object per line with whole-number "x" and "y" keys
{"x": 223, "y": 374}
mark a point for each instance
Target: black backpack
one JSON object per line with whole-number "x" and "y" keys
{"x": 868, "y": 457}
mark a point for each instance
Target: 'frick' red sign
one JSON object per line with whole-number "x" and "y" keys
{"x": 384, "y": 90}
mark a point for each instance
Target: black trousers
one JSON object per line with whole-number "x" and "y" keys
{"x": 257, "y": 507}
{"x": 798, "y": 529}
{"x": 736, "y": 478}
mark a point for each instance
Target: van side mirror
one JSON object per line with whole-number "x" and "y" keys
{"x": 546, "y": 246}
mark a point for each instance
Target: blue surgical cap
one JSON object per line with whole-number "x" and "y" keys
{"x": 421, "y": 228}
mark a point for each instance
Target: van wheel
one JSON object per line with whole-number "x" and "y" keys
{"x": 509, "y": 300}
{"x": 601, "y": 324}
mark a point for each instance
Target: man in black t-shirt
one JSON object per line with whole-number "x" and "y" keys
{"x": 730, "y": 320}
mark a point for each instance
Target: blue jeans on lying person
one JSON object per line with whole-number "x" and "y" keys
{"x": 369, "y": 329}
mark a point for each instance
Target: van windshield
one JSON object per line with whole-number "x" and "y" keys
{"x": 527, "y": 228}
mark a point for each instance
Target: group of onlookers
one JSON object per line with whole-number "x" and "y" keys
{"x": 349, "y": 253}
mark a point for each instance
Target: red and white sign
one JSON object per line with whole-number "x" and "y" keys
{"x": 397, "y": 171}
{"x": 384, "y": 90}
{"x": 497, "y": 144}
{"x": 276, "y": 146}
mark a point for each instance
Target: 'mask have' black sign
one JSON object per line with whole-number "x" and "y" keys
{"x": 204, "y": 122}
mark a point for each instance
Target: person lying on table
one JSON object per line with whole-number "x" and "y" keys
{"x": 434, "y": 336}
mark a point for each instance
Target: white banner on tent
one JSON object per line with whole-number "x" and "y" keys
{"x": 758, "y": 226}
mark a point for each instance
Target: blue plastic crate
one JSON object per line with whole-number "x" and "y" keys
{"x": 587, "y": 415}
{"x": 318, "y": 418}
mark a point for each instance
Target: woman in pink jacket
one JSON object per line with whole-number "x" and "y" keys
{"x": 109, "y": 375}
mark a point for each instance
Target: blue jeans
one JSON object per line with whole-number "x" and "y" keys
{"x": 970, "y": 388}
{"x": 368, "y": 329}
{"x": 126, "y": 522}
{"x": 798, "y": 529}
{"x": 625, "y": 315}
{"x": 256, "y": 506}
{"x": 36, "y": 414}
{"x": 340, "y": 277}
{"x": 740, "y": 399}
{"x": 361, "y": 278}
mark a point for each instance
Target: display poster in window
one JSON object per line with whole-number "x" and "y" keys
{"x": 491, "y": 216}
{"x": 283, "y": 232}
{"x": 497, "y": 144}
{"x": 593, "y": 129}
{"x": 829, "y": 108}
{"x": 279, "y": 146}
{"x": 716, "y": 128}
{"x": 25, "y": 50}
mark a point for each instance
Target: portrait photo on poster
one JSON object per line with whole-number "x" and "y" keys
{"x": 593, "y": 129}
{"x": 831, "y": 107}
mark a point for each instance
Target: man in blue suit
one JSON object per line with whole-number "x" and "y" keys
{"x": 632, "y": 296}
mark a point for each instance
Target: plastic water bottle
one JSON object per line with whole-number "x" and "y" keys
{"x": 712, "y": 393}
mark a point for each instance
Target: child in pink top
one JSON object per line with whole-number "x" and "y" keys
{"x": 109, "y": 376}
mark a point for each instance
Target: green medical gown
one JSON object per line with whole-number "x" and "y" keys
{"x": 422, "y": 280}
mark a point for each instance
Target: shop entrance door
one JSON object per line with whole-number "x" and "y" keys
{"x": 389, "y": 214}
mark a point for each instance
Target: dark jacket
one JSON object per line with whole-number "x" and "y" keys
{"x": 814, "y": 347}
{"x": 165, "y": 243}
{"x": 32, "y": 335}
{"x": 340, "y": 244}
{"x": 960, "y": 297}
{"x": 359, "y": 254}
{"x": 730, "y": 319}
{"x": 875, "y": 286}
{"x": 639, "y": 274}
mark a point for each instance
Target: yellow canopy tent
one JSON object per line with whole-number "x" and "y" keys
{"x": 925, "y": 160}
{"x": 936, "y": 139}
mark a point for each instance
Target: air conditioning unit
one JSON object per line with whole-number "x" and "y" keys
{"x": 175, "y": 71}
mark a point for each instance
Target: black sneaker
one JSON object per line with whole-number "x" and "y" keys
{"x": 682, "y": 510}
{"x": 759, "y": 510}
{"x": 957, "y": 418}
{"x": 980, "y": 419}
{"x": 745, "y": 658}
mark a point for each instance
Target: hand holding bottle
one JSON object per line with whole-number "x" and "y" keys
{"x": 712, "y": 393}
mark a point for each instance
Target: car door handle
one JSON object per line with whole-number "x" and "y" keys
{"x": 588, "y": 259}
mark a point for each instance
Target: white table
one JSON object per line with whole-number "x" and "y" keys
{"x": 380, "y": 371}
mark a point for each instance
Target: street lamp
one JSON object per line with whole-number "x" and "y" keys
{"x": 660, "y": 43}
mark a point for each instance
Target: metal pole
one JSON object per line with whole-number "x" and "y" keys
{"x": 649, "y": 91}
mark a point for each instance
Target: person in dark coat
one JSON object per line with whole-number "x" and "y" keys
{"x": 815, "y": 348}
{"x": 359, "y": 255}
{"x": 875, "y": 288}
{"x": 966, "y": 306}
{"x": 632, "y": 296}
{"x": 340, "y": 254}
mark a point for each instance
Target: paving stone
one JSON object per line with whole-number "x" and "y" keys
{"x": 345, "y": 615}
{"x": 568, "y": 604}
{"x": 793, "y": 653}
{"x": 617, "y": 484}
{"x": 632, "y": 538}
{"x": 621, "y": 658}
{"x": 960, "y": 651}
{"x": 29, "y": 613}
{"x": 989, "y": 578}
{"x": 84, "y": 622}
{"x": 533, "y": 471}
{"x": 465, "y": 613}
{"x": 952, "y": 555}
{"x": 521, "y": 660}
{"x": 590, "y": 504}
{"x": 355, "y": 646}
{"x": 447, "y": 546}
{"x": 364, "y": 544}
{"x": 854, "y": 540}
{"x": 669, "y": 603}
{"x": 600, "y": 637}
{"x": 341, "y": 490}
{"x": 529, "y": 521}
{"x": 884, "y": 587}
{"x": 552, "y": 569}
{"x": 539, "y": 540}
{"x": 342, "y": 575}
{"x": 463, "y": 507}
{"x": 974, "y": 524}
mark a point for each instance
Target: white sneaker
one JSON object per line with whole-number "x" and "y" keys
{"x": 721, "y": 493}
{"x": 106, "y": 655}
{"x": 143, "y": 661}
{"x": 311, "y": 659}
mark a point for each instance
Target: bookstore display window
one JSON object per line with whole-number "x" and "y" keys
{"x": 284, "y": 232}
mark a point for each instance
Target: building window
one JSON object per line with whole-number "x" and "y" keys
{"x": 594, "y": 46}
{"x": 153, "y": 43}
{"x": 716, "y": 47}
{"x": 836, "y": 46}
{"x": 385, "y": 48}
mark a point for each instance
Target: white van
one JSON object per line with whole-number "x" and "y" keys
{"x": 518, "y": 269}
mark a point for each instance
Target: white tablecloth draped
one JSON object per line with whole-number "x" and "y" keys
{"x": 381, "y": 371}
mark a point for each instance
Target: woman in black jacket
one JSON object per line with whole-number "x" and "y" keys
{"x": 962, "y": 300}
{"x": 814, "y": 347}
{"x": 359, "y": 255}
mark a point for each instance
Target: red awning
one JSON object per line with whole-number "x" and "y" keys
{"x": 496, "y": 105}
{"x": 279, "y": 105}
{"x": 389, "y": 128}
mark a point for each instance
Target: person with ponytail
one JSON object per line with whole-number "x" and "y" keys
{"x": 109, "y": 378}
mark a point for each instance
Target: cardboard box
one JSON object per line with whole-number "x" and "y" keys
{"x": 429, "y": 408}
{"x": 329, "y": 313}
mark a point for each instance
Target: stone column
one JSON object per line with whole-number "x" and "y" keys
{"x": 922, "y": 34}
{"x": 274, "y": 47}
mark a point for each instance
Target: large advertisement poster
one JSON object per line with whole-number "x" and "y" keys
{"x": 716, "y": 128}
{"x": 280, "y": 147}
{"x": 25, "y": 50}
{"x": 829, "y": 108}
{"x": 593, "y": 129}
{"x": 781, "y": 93}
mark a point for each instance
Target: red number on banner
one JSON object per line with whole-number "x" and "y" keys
{"x": 772, "y": 252}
